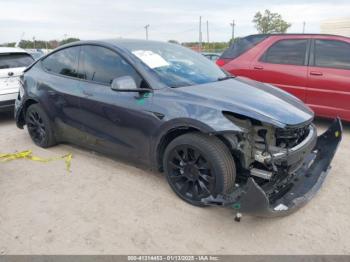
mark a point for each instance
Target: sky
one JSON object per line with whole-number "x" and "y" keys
{"x": 175, "y": 19}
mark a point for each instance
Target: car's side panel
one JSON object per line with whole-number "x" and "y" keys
{"x": 117, "y": 122}
{"x": 287, "y": 77}
{"x": 328, "y": 92}
{"x": 177, "y": 113}
{"x": 191, "y": 110}
{"x": 59, "y": 97}
{"x": 290, "y": 78}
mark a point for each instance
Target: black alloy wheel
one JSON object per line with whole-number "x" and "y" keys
{"x": 39, "y": 126}
{"x": 198, "y": 166}
{"x": 36, "y": 127}
{"x": 190, "y": 173}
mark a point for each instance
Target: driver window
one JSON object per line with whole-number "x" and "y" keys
{"x": 102, "y": 65}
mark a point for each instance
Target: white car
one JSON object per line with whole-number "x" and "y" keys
{"x": 12, "y": 63}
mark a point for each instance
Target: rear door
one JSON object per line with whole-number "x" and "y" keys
{"x": 11, "y": 68}
{"x": 60, "y": 81}
{"x": 329, "y": 78}
{"x": 283, "y": 64}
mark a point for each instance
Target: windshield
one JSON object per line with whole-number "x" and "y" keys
{"x": 176, "y": 66}
{"x": 15, "y": 60}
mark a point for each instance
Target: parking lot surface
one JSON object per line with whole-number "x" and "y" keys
{"x": 105, "y": 206}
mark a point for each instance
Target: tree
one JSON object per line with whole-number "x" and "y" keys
{"x": 212, "y": 47}
{"x": 269, "y": 23}
{"x": 12, "y": 44}
{"x": 69, "y": 40}
{"x": 41, "y": 44}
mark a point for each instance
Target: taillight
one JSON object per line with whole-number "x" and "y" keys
{"x": 221, "y": 62}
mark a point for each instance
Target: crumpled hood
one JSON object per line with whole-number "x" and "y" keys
{"x": 250, "y": 98}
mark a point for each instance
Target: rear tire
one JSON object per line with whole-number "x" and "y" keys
{"x": 39, "y": 126}
{"x": 197, "y": 166}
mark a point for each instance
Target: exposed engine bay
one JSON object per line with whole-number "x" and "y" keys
{"x": 265, "y": 150}
{"x": 273, "y": 161}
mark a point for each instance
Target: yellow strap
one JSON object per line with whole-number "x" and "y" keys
{"x": 28, "y": 155}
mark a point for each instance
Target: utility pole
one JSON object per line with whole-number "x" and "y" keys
{"x": 200, "y": 33}
{"x": 208, "y": 32}
{"x": 233, "y": 29}
{"x": 304, "y": 27}
{"x": 146, "y": 28}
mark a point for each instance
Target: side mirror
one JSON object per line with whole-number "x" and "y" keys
{"x": 124, "y": 83}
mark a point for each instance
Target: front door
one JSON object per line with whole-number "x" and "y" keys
{"x": 115, "y": 122}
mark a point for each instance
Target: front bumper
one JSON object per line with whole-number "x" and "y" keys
{"x": 306, "y": 181}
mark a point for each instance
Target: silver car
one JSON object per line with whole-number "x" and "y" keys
{"x": 12, "y": 63}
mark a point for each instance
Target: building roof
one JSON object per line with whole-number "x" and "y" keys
{"x": 12, "y": 50}
{"x": 340, "y": 26}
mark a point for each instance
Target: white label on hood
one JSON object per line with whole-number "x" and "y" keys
{"x": 150, "y": 58}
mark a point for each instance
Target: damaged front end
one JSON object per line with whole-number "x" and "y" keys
{"x": 279, "y": 169}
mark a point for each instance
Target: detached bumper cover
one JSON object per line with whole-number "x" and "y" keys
{"x": 251, "y": 198}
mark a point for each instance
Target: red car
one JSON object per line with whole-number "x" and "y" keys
{"x": 313, "y": 67}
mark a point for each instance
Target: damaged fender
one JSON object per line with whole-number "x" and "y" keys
{"x": 213, "y": 123}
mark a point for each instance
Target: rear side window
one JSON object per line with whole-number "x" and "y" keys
{"x": 242, "y": 45}
{"x": 63, "y": 62}
{"x": 102, "y": 65}
{"x": 288, "y": 52}
{"x": 14, "y": 60}
{"x": 332, "y": 53}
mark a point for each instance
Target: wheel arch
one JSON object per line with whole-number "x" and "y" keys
{"x": 21, "y": 116}
{"x": 166, "y": 139}
{"x": 178, "y": 129}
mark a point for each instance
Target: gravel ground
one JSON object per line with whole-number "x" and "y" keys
{"x": 109, "y": 207}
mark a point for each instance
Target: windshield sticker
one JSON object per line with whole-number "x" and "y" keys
{"x": 150, "y": 58}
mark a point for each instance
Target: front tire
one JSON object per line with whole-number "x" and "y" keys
{"x": 39, "y": 126}
{"x": 197, "y": 166}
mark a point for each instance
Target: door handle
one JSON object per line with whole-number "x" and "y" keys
{"x": 85, "y": 93}
{"x": 259, "y": 67}
{"x": 10, "y": 74}
{"x": 316, "y": 73}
